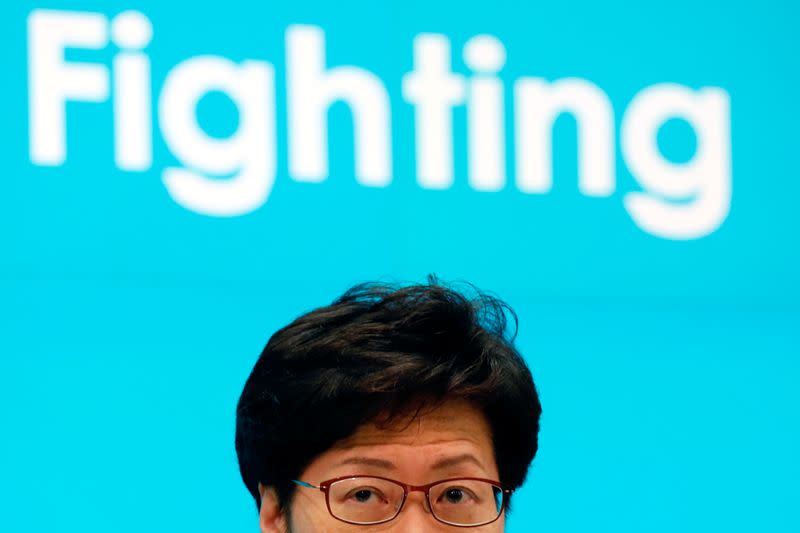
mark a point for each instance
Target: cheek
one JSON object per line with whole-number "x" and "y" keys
{"x": 310, "y": 515}
{"x": 497, "y": 526}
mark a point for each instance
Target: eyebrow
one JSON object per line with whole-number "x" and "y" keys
{"x": 368, "y": 461}
{"x": 441, "y": 464}
{"x": 457, "y": 460}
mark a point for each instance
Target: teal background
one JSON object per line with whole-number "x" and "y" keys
{"x": 668, "y": 370}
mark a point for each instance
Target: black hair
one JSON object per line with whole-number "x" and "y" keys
{"x": 374, "y": 351}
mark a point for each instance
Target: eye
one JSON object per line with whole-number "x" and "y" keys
{"x": 365, "y": 495}
{"x": 362, "y": 495}
{"x": 456, "y": 495}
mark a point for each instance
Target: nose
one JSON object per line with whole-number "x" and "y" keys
{"x": 416, "y": 515}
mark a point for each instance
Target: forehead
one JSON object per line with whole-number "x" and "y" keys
{"x": 414, "y": 445}
{"x": 452, "y": 420}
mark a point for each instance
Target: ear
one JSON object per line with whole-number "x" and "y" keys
{"x": 271, "y": 519}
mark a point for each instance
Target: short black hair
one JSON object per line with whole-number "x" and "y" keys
{"x": 376, "y": 350}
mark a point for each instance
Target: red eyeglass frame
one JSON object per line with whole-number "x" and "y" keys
{"x": 324, "y": 486}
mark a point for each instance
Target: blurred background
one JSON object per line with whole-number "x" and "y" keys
{"x": 182, "y": 179}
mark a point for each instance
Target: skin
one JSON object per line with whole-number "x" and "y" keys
{"x": 454, "y": 430}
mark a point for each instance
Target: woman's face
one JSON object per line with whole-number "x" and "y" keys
{"x": 454, "y": 440}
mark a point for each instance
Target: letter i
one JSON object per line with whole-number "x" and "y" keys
{"x": 485, "y": 55}
{"x": 131, "y": 31}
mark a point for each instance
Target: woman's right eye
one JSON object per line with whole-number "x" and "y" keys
{"x": 365, "y": 495}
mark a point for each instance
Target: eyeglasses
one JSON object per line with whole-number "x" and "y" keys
{"x": 370, "y": 500}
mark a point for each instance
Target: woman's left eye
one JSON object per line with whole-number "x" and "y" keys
{"x": 363, "y": 495}
{"x": 455, "y": 495}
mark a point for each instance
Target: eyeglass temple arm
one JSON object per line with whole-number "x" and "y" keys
{"x": 305, "y": 484}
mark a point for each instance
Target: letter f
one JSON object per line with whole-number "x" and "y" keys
{"x": 52, "y": 81}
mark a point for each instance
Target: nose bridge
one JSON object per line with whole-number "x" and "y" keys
{"x": 411, "y": 489}
{"x": 416, "y": 514}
